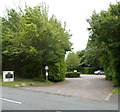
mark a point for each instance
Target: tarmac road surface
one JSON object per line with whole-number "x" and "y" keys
{"x": 92, "y": 87}
{"x": 19, "y": 99}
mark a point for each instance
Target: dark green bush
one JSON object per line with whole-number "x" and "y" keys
{"x": 57, "y": 72}
{"x": 109, "y": 73}
{"x": 41, "y": 80}
{"x": 73, "y": 74}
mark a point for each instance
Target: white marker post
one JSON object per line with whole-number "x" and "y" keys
{"x": 46, "y": 68}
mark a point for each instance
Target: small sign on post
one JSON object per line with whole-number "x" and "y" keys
{"x": 8, "y": 76}
{"x": 75, "y": 70}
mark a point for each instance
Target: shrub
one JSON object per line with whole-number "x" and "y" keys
{"x": 57, "y": 72}
{"x": 109, "y": 73}
{"x": 73, "y": 74}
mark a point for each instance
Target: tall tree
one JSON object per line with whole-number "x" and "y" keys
{"x": 87, "y": 62}
{"x": 72, "y": 61}
{"x": 104, "y": 40}
{"x": 31, "y": 41}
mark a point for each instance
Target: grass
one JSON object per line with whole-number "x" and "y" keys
{"x": 26, "y": 81}
{"x": 116, "y": 91}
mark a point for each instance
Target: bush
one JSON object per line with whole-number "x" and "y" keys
{"x": 109, "y": 73}
{"x": 73, "y": 74}
{"x": 41, "y": 79}
{"x": 57, "y": 73}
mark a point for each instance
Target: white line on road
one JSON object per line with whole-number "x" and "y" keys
{"x": 108, "y": 97}
{"x": 11, "y": 101}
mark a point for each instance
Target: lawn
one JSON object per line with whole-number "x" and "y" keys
{"x": 116, "y": 91}
{"x": 27, "y": 83}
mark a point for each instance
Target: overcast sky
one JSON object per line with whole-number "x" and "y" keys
{"x": 73, "y": 12}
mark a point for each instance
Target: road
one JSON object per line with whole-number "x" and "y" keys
{"x": 92, "y": 87}
{"x": 19, "y": 99}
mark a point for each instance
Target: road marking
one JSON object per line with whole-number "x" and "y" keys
{"x": 11, "y": 101}
{"x": 108, "y": 97}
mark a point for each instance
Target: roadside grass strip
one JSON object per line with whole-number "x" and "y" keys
{"x": 26, "y": 82}
{"x": 116, "y": 91}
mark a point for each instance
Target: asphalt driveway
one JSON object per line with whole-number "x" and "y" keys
{"x": 93, "y": 87}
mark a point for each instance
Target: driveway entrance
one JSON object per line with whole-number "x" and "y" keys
{"x": 93, "y": 87}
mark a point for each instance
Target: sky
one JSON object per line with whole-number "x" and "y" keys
{"x": 73, "y": 12}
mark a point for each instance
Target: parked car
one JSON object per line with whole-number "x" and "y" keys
{"x": 99, "y": 72}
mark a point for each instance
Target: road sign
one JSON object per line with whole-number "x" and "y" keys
{"x": 75, "y": 70}
{"x": 46, "y": 68}
{"x": 8, "y": 76}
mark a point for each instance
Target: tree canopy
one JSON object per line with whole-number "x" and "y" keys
{"x": 32, "y": 40}
{"x": 72, "y": 61}
{"x": 104, "y": 40}
{"x": 82, "y": 61}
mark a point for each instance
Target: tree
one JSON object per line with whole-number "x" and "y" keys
{"x": 87, "y": 62}
{"x": 31, "y": 41}
{"x": 105, "y": 42}
{"x": 72, "y": 61}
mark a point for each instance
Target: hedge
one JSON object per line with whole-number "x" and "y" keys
{"x": 73, "y": 74}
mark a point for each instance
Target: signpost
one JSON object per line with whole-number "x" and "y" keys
{"x": 46, "y": 68}
{"x": 75, "y": 70}
{"x": 8, "y": 76}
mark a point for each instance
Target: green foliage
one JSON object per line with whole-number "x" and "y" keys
{"x": 31, "y": 41}
{"x": 88, "y": 63}
{"x": 27, "y": 82}
{"x": 73, "y": 74}
{"x": 81, "y": 55}
{"x": 72, "y": 61}
{"x": 82, "y": 61}
{"x": 59, "y": 72}
{"x": 116, "y": 91}
{"x": 104, "y": 40}
{"x": 88, "y": 70}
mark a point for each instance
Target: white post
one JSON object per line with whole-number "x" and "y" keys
{"x": 46, "y": 68}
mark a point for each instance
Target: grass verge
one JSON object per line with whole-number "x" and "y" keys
{"x": 27, "y": 83}
{"x": 116, "y": 91}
